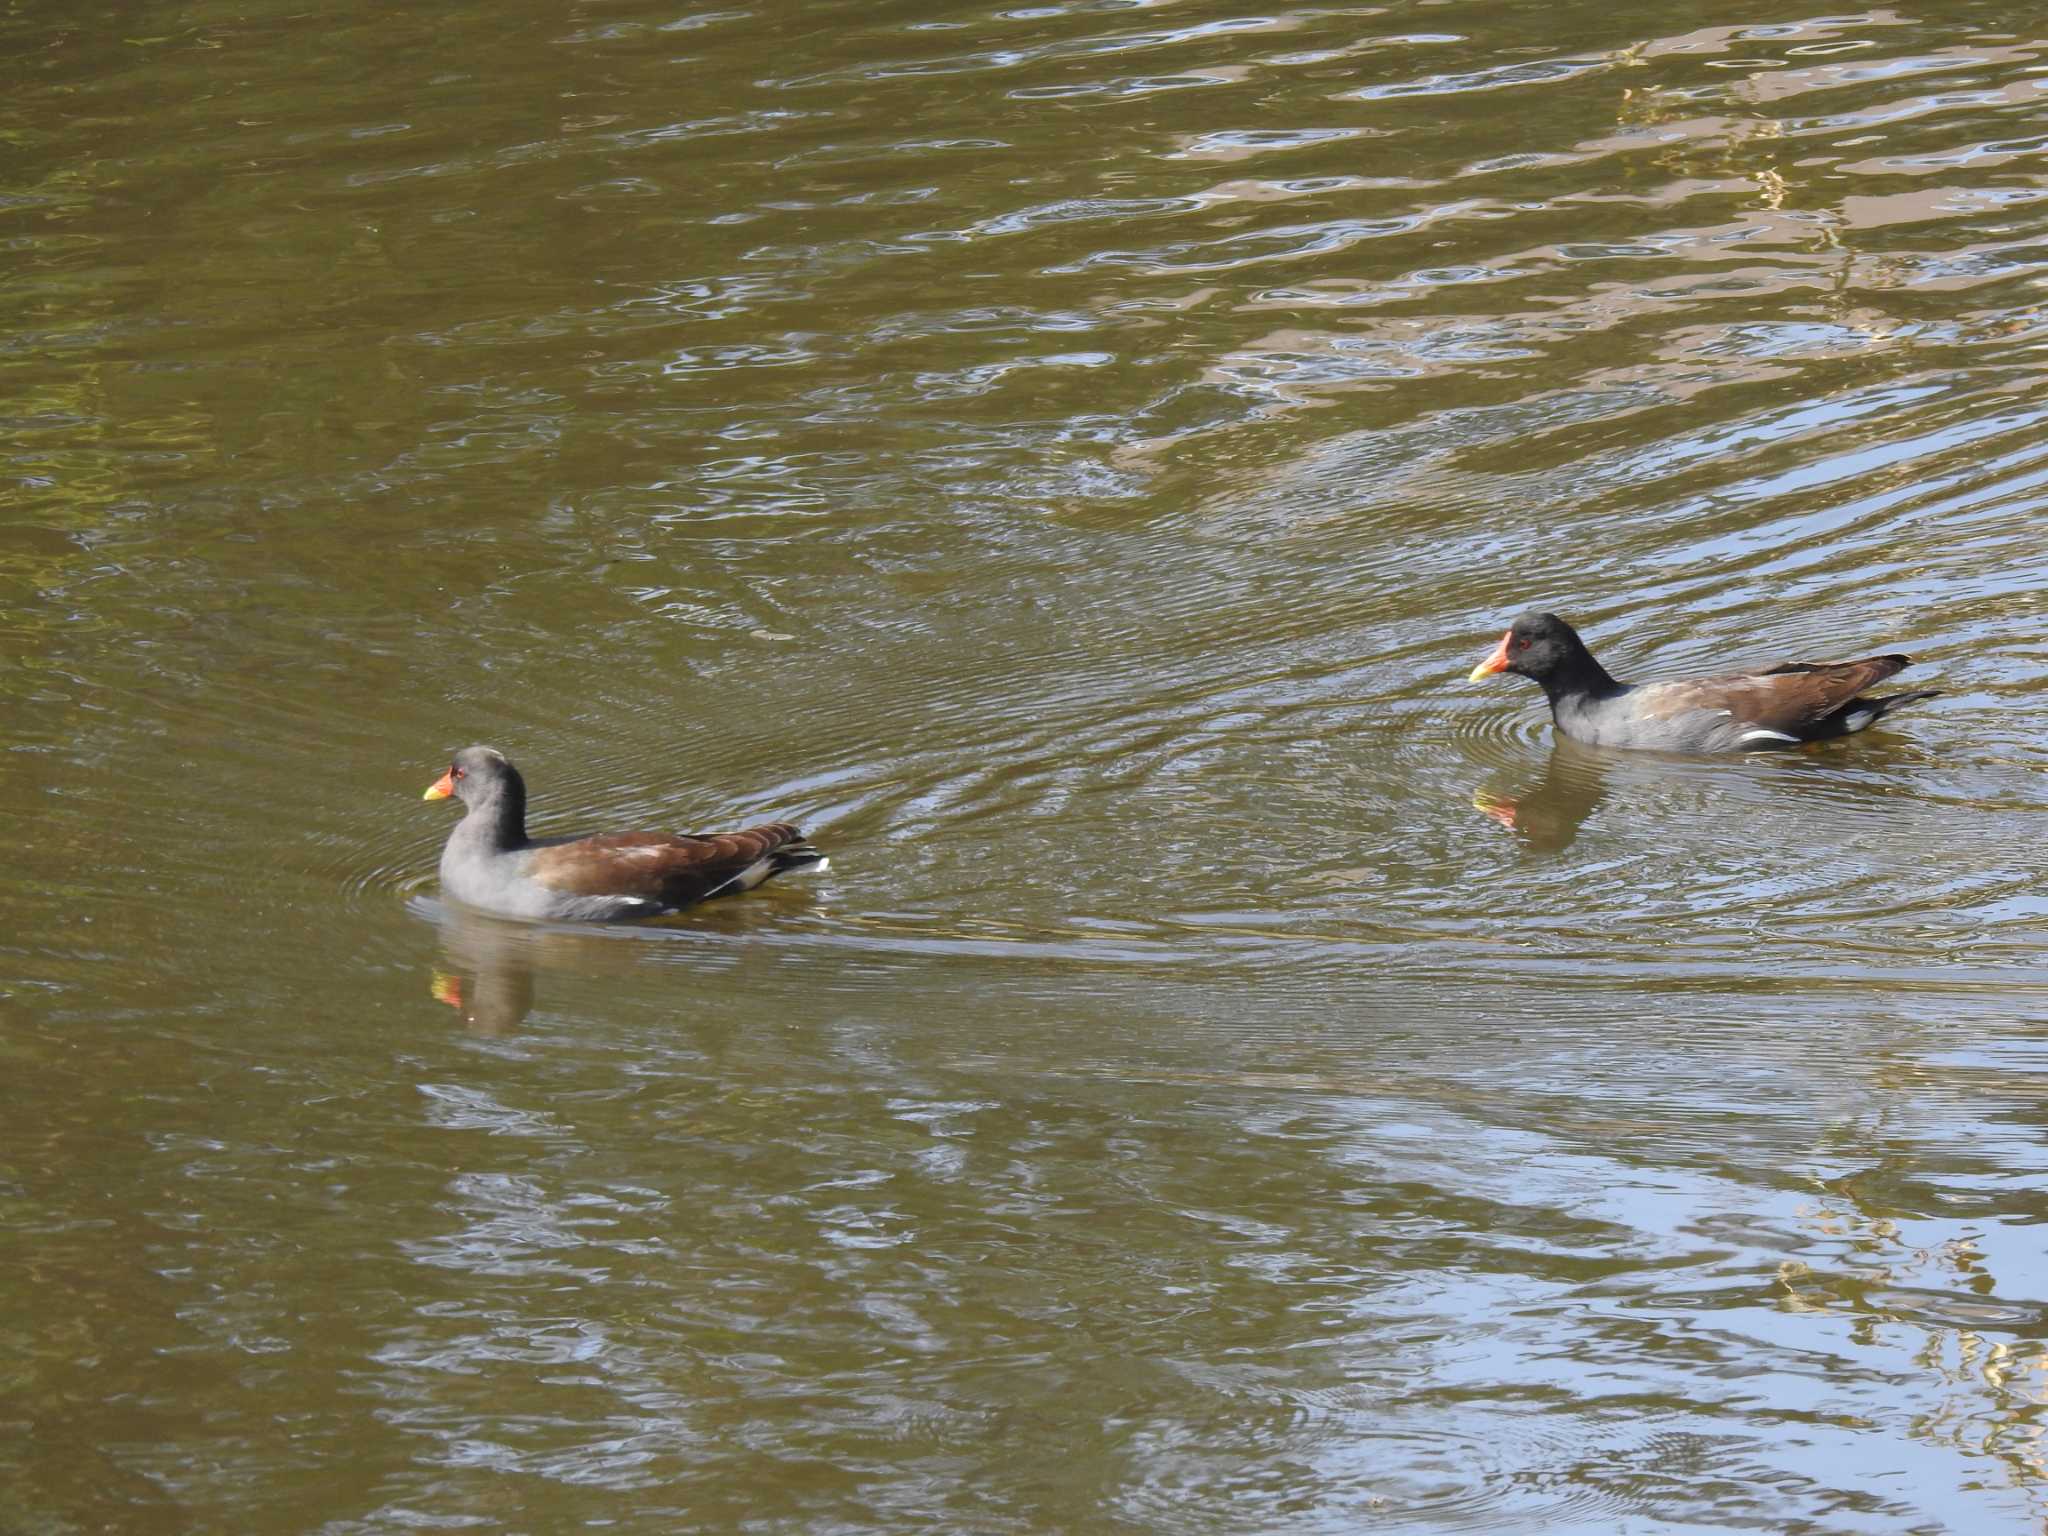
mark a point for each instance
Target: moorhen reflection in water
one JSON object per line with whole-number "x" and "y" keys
{"x": 494, "y": 972}
{"x": 486, "y": 970}
{"x": 1546, "y": 817}
{"x": 1783, "y": 706}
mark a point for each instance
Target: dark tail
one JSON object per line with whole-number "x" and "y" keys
{"x": 1892, "y": 701}
{"x": 790, "y": 850}
{"x": 1860, "y": 713}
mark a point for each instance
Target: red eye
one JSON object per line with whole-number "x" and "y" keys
{"x": 1521, "y": 642}
{"x": 457, "y": 773}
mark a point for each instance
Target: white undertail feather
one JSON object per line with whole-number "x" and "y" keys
{"x": 753, "y": 874}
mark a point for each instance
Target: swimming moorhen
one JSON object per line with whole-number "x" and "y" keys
{"x": 491, "y": 863}
{"x": 1785, "y": 706}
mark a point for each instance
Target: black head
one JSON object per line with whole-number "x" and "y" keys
{"x": 1543, "y": 646}
{"x": 478, "y": 774}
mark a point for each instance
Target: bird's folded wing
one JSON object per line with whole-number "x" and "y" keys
{"x": 657, "y": 866}
{"x": 1790, "y": 698}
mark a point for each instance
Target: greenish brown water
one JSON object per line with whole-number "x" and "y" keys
{"x": 1236, "y": 1075}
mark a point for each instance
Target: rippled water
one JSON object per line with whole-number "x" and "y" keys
{"x": 1236, "y": 1075}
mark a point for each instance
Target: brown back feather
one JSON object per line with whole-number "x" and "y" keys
{"x": 656, "y": 866}
{"x": 1791, "y": 697}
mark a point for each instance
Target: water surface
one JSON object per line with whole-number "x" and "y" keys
{"x": 1236, "y": 1075}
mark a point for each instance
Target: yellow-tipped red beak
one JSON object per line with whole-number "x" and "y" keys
{"x": 1497, "y": 662}
{"x": 442, "y": 787}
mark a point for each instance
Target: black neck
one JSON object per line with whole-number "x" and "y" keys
{"x": 499, "y": 819}
{"x": 1579, "y": 676}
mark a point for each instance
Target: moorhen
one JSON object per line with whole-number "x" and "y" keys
{"x": 1785, "y": 706}
{"x": 490, "y": 862}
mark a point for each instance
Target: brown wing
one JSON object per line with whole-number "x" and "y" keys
{"x": 1792, "y": 698}
{"x": 672, "y": 869}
